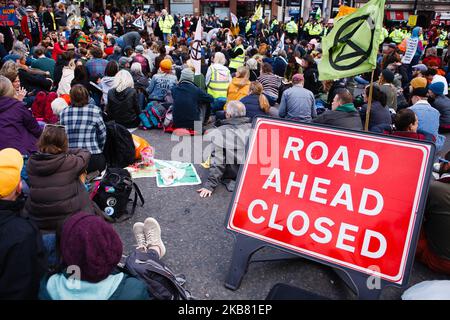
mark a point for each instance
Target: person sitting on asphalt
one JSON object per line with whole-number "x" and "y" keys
{"x": 239, "y": 85}
{"x": 56, "y": 190}
{"x": 188, "y": 102}
{"x": 256, "y": 103}
{"x": 22, "y": 254}
{"x": 18, "y": 128}
{"x": 427, "y": 115}
{"x": 343, "y": 113}
{"x": 162, "y": 82}
{"x": 297, "y": 103}
{"x": 93, "y": 246}
{"x": 406, "y": 125}
{"x": 270, "y": 82}
{"x": 234, "y": 132}
{"x": 441, "y": 103}
{"x": 123, "y": 105}
{"x": 85, "y": 127}
{"x": 433, "y": 248}
{"x": 379, "y": 111}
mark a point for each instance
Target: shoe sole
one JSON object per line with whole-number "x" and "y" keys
{"x": 160, "y": 244}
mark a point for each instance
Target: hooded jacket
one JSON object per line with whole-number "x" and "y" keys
{"x": 18, "y": 128}
{"x": 56, "y": 190}
{"x": 106, "y": 84}
{"x": 123, "y": 107}
{"x": 22, "y": 257}
{"x": 238, "y": 89}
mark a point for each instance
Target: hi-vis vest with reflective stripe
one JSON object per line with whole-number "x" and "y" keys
{"x": 397, "y": 36}
{"x": 442, "y": 38}
{"x": 291, "y": 27}
{"x": 218, "y": 85}
{"x": 316, "y": 30}
{"x": 239, "y": 60}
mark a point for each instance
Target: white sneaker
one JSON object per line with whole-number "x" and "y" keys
{"x": 152, "y": 232}
{"x": 139, "y": 235}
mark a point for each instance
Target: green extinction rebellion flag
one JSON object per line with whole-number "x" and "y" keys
{"x": 351, "y": 47}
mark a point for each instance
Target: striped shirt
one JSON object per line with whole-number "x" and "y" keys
{"x": 271, "y": 84}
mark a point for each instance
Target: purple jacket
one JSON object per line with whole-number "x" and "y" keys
{"x": 18, "y": 128}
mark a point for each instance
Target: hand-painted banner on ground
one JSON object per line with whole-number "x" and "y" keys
{"x": 411, "y": 48}
{"x": 8, "y": 17}
{"x": 174, "y": 174}
{"x": 351, "y": 47}
{"x": 338, "y": 197}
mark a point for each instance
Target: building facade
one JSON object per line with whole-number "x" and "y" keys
{"x": 428, "y": 11}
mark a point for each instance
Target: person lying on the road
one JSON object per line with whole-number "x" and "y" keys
{"x": 229, "y": 148}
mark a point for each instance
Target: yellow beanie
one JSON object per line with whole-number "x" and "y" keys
{"x": 419, "y": 82}
{"x": 11, "y": 163}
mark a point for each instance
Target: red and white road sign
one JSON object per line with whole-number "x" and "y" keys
{"x": 344, "y": 198}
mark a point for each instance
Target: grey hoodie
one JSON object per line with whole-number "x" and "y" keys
{"x": 106, "y": 84}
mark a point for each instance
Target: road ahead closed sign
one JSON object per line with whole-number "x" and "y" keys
{"x": 342, "y": 198}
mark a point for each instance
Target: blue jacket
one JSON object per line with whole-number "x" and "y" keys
{"x": 252, "y": 107}
{"x": 161, "y": 84}
{"x": 429, "y": 121}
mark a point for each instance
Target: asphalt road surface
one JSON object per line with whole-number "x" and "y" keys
{"x": 199, "y": 247}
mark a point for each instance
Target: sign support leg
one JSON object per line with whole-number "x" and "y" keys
{"x": 244, "y": 248}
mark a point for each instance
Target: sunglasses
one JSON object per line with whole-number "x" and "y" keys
{"x": 442, "y": 160}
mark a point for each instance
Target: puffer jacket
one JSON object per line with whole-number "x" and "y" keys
{"x": 123, "y": 107}
{"x": 56, "y": 190}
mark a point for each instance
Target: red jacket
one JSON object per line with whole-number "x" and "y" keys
{"x": 57, "y": 50}
{"x": 42, "y": 109}
{"x": 26, "y": 29}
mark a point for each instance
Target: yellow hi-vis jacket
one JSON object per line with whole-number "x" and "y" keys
{"x": 239, "y": 60}
{"x": 166, "y": 24}
{"x": 219, "y": 83}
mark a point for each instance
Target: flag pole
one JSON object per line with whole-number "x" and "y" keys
{"x": 369, "y": 103}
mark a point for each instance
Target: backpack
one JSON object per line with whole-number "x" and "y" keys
{"x": 113, "y": 194}
{"x": 162, "y": 283}
{"x": 152, "y": 116}
{"x": 119, "y": 147}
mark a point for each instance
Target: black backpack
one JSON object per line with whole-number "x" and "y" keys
{"x": 119, "y": 147}
{"x": 113, "y": 194}
{"x": 162, "y": 283}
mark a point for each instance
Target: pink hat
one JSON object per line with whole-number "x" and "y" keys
{"x": 298, "y": 77}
